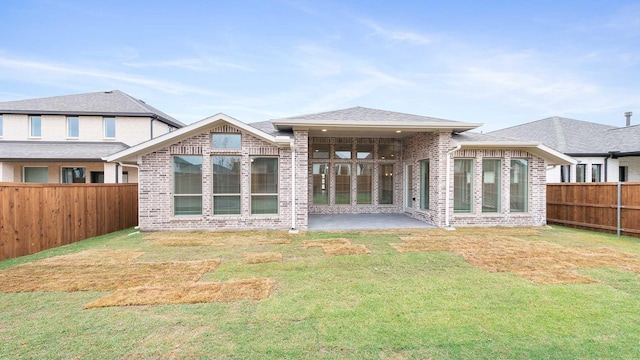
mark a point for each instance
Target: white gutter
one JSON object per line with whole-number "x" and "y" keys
{"x": 293, "y": 229}
{"x": 447, "y": 198}
{"x": 126, "y": 165}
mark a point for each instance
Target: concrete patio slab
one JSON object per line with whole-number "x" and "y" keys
{"x": 365, "y": 222}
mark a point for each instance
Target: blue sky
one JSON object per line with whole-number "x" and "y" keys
{"x": 497, "y": 62}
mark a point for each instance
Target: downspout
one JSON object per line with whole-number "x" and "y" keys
{"x": 117, "y": 168}
{"x": 125, "y": 165}
{"x": 447, "y": 198}
{"x": 293, "y": 229}
{"x": 151, "y": 128}
{"x": 606, "y": 166}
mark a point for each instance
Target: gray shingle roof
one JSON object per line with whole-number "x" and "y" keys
{"x": 58, "y": 150}
{"x": 114, "y": 103}
{"x": 267, "y": 126}
{"x": 362, "y": 114}
{"x": 567, "y": 135}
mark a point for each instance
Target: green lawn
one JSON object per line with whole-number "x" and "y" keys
{"x": 385, "y": 304}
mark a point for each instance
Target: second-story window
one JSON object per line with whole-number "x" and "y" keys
{"x": 35, "y": 126}
{"x": 73, "y": 127}
{"x": 109, "y": 127}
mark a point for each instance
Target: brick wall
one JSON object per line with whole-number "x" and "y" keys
{"x": 536, "y": 214}
{"x": 156, "y": 185}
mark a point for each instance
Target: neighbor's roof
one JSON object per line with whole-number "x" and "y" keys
{"x": 358, "y": 118}
{"x": 472, "y": 140}
{"x": 567, "y": 135}
{"x": 58, "y": 150}
{"x": 114, "y": 103}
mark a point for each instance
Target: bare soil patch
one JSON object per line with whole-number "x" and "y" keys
{"x": 538, "y": 261}
{"x": 215, "y": 238}
{"x": 247, "y": 289}
{"x": 260, "y": 258}
{"x": 134, "y": 283}
{"x": 337, "y": 246}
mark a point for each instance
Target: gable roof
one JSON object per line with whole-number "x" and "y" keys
{"x": 472, "y": 140}
{"x": 114, "y": 103}
{"x": 359, "y": 118}
{"x": 57, "y": 150}
{"x": 569, "y": 136}
{"x": 131, "y": 154}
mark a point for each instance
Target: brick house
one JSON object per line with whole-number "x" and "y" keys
{"x": 62, "y": 139}
{"x": 220, "y": 173}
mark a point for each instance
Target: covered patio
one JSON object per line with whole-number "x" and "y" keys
{"x": 328, "y": 222}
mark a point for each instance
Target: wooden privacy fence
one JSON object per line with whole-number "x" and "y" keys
{"x": 595, "y": 206}
{"x": 36, "y": 217}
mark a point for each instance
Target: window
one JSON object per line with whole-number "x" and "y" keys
{"x": 264, "y": 185}
{"x": 320, "y": 184}
{"x": 343, "y": 184}
{"x": 385, "y": 184}
{"x": 74, "y": 175}
{"x": 36, "y": 174}
{"x": 424, "y": 184}
{"x": 364, "y": 178}
{"x": 565, "y": 171}
{"x": 187, "y": 185}
{"x": 490, "y": 185}
{"x": 35, "y": 126}
{"x": 519, "y": 185}
{"x": 226, "y": 141}
{"x": 320, "y": 151}
{"x": 109, "y": 127}
{"x": 581, "y": 173}
{"x": 596, "y": 172}
{"x": 97, "y": 177}
{"x": 623, "y": 172}
{"x": 125, "y": 177}
{"x": 73, "y": 127}
{"x": 364, "y": 151}
{"x": 1, "y": 133}
{"x": 462, "y": 185}
{"x": 343, "y": 151}
{"x": 226, "y": 185}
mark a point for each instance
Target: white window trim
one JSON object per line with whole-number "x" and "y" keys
{"x": 214, "y": 195}
{"x": 104, "y": 128}
{"x": 277, "y": 194}
{"x": 30, "y": 127}
{"x": 69, "y": 136}
{"x": 226, "y": 133}
{"x": 174, "y": 195}
{"x": 24, "y": 172}
{"x": 73, "y": 166}
{"x": 1, "y": 126}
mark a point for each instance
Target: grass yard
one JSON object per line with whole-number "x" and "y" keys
{"x": 500, "y": 293}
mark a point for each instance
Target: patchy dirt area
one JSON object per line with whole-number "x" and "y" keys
{"x": 539, "y": 261}
{"x": 264, "y": 257}
{"x": 338, "y": 246}
{"x": 219, "y": 238}
{"x": 134, "y": 283}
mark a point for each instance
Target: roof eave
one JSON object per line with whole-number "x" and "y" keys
{"x": 382, "y": 126}
{"x": 552, "y": 156}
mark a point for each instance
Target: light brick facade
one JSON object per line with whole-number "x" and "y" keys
{"x": 157, "y": 198}
{"x": 156, "y": 185}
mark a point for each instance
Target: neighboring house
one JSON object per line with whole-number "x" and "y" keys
{"x": 63, "y": 139}
{"x": 602, "y": 152}
{"x": 220, "y": 173}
